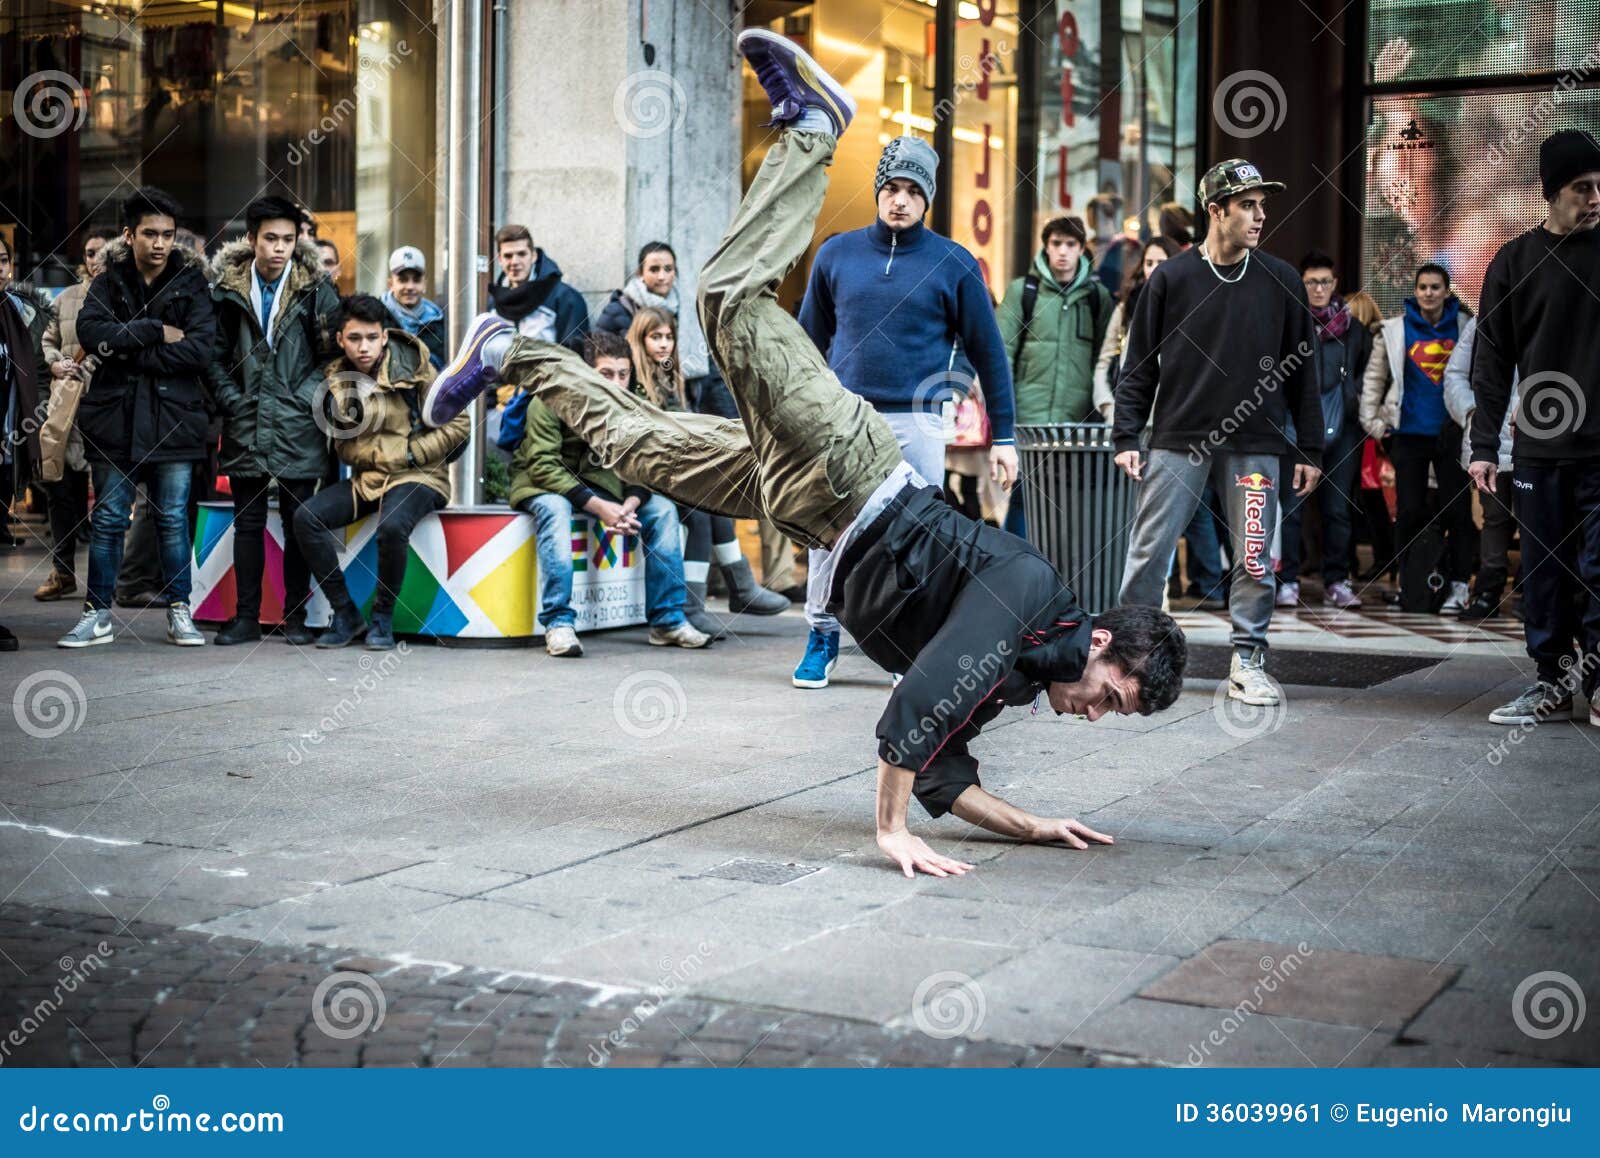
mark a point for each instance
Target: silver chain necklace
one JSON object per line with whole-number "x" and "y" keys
{"x": 1243, "y": 268}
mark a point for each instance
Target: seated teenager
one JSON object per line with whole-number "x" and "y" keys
{"x": 399, "y": 467}
{"x": 974, "y": 619}
{"x": 553, "y": 474}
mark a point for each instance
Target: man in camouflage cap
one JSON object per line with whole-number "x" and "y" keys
{"x": 1226, "y": 334}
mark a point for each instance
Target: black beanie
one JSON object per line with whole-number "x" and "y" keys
{"x": 1566, "y": 155}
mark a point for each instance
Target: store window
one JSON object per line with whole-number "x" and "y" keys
{"x": 1461, "y": 94}
{"x": 1116, "y": 135}
{"x": 216, "y": 102}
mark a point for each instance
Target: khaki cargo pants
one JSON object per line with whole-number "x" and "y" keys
{"x": 806, "y": 452}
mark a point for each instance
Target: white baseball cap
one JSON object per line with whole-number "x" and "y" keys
{"x": 407, "y": 257}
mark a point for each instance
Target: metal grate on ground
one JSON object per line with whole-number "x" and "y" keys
{"x": 1317, "y": 669}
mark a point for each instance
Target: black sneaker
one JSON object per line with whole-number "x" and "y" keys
{"x": 380, "y": 633}
{"x": 295, "y": 631}
{"x": 8, "y": 642}
{"x": 237, "y": 630}
{"x": 1483, "y": 606}
{"x": 346, "y": 628}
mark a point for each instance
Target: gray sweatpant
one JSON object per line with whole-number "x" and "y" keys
{"x": 1248, "y": 485}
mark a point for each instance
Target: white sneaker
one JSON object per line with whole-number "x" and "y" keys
{"x": 1249, "y": 683}
{"x": 562, "y": 642}
{"x": 181, "y": 629}
{"x": 683, "y": 635}
{"x": 93, "y": 627}
{"x": 1288, "y": 595}
{"x": 1460, "y": 596}
{"x": 1594, "y": 708}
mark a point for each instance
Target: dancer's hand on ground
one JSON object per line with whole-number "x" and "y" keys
{"x": 1003, "y": 465}
{"x": 1071, "y": 832}
{"x": 1130, "y": 461}
{"x": 1483, "y": 474}
{"x": 913, "y": 855}
{"x": 1306, "y": 479}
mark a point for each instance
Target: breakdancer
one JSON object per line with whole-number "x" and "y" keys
{"x": 972, "y": 618}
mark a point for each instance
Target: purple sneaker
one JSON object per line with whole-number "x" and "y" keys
{"x": 793, "y": 81}
{"x": 467, "y": 375}
{"x": 1341, "y": 595}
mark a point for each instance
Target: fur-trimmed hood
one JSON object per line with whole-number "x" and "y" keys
{"x": 117, "y": 251}
{"x": 405, "y": 366}
{"x": 230, "y": 269}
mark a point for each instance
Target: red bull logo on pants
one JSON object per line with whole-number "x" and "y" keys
{"x": 1256, "y": 487}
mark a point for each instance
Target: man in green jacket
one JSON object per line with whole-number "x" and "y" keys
{"x": 1053, "y": 321}
{"x": 556, "y": 473}
{"x": 274, "y": 310}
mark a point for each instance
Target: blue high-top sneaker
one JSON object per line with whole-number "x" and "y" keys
{"x": 467, "y": 375}
{"x": 795, "y": 83}
{"x": 822, "y": 656}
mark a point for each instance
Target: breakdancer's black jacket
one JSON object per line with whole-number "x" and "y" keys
{"x": 973, "y": 618}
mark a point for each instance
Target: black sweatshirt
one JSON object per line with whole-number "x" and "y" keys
{"x": 1539, "y": 317}
{"x": 1232, "y": 361}
{"x": 972, "y": 617}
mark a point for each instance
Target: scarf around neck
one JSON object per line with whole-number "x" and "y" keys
{"x": 691, "y": 342}
{"x": 425, "y": 312}
{"x": 1332, "y": 319}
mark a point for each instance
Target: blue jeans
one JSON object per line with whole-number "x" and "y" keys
{"x": 167, "y": 484}
{"x": 663, "y": 560}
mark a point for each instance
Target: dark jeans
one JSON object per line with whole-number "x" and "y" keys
{"x": 1340, "y": 462}
{"x": 1499, "y": 526}
{"x": 249, "y": 543}
{"x": 399, "y": 511}
{"x": 69, "y": 518}
{"x": 141, "y": 560}
{"x": 703, "y": 534}
{"x": 167, "y": 484}
{"x": 1559, "y": 508}
{"x": 1412, "y": 454}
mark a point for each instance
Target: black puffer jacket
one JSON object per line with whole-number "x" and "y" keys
{"x": 973, "y": 618}
{"x": 147, "y": 401}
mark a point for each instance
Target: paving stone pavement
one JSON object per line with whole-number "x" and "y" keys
{"x": 539, "y": 846}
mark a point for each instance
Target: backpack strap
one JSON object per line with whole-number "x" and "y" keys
{"x": 1030, "y": 299}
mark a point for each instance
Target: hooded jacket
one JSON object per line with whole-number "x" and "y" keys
{"x": 568, "y": 314}
{"x": 387, "y": 419}
{"x": 973, "y": 618}
{"x": 268, "y": 394}
{"x": 1461, "y": 402}
{"x": 147, "y": 402}
{"x": 1055, "y": 373}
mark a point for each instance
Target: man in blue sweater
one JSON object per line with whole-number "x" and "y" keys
{"x": 889, "y": 306}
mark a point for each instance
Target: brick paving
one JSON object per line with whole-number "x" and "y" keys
{"x": 86, "y": 990}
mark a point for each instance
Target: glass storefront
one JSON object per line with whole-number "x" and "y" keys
{"x": 1077, "y": 107}
{"x": 1462, "y": 93}
{"x": 329, "y": 102}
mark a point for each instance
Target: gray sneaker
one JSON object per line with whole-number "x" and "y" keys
{"x": 93, "y": 627}
{"x": 1533, "y": 706}
{"x": 683, "y": 635}
{"x": 181, "y": 629}
{"x": 1249, "y": 683}
{"x": 1594, "y": 708}
{"x": 561, "y": 641}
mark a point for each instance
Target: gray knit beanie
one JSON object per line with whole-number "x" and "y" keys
{"x": 911, "y": 158}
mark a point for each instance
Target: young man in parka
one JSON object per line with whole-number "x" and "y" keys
{"x": 274, "y": 308}
{"x": 399, "y": 468}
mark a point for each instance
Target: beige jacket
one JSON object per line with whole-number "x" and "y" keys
{"x": 1384, "y": 383}
{"x": 60, "y": 445}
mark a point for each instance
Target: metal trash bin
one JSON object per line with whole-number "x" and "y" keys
{"x": 1080, "y": 506}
